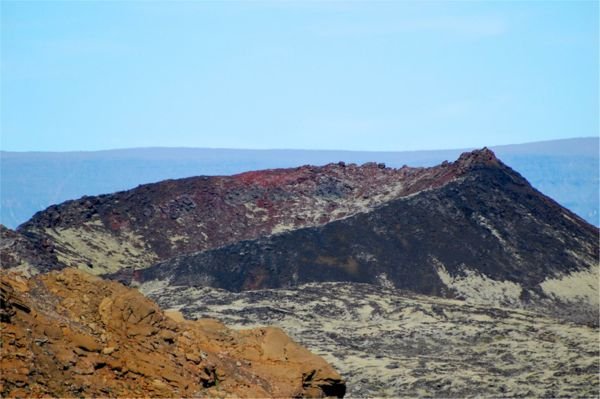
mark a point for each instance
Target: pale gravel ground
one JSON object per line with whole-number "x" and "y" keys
{"x": 393, "y": 344}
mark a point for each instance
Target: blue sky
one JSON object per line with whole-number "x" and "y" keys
{"x": 312, "y": 75}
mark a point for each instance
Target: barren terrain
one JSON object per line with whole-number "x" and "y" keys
{"x": 396, "y": 344}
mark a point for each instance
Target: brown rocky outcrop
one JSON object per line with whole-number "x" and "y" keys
{"x": 69, "y": 334}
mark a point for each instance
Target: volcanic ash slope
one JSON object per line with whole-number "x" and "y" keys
{"x": 480, "y": 233}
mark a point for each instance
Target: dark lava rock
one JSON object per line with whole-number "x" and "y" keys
{"x": 488, "y": 229}
{"x": 154, "y": 222}
{"x": 30, "y": 253}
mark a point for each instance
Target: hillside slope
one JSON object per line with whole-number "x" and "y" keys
{"x": 154, "y": 222}
{"x": 485, "y": 235}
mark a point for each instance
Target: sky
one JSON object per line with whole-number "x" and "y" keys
{"x": 395, "y": 75}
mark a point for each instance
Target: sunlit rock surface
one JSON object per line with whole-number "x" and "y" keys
{"x": 70, "y": 334}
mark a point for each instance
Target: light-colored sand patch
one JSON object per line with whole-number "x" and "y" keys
{"x": 282, "y": 227}
{"x": 177, "y": 240}
{"x": 484, "y": 222}
{"x": 384, "y": 281}
{"x": 365, "y": 312}
{"x": 479, "y": 288}
{"x": 174, "y": 315}
{"x": 91, "y": 248}
{"x": 255, "y": 212}
{"x": 149, "y": 287}
{"x": 411, "y": 317}
{"x": 582, "y": 286}
{"x": 25, "y": 270}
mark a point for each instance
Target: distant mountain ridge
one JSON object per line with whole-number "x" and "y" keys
{"x": 566, "y": 170}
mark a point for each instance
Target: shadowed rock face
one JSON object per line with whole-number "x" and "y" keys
{"x": 154, "y": 222}
{"x": 487, "y": 235}
{"x": 70, "y": 334}
{"x": 391, "y": 343}
{"x": 29, "y": 255}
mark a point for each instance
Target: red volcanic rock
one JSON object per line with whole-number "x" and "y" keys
{"x": 153, "y": 222}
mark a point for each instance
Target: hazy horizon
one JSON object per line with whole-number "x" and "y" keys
{"x": 308, "y": 149}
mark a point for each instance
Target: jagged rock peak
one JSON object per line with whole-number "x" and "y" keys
{"x": 484, "y": 156}
{"x": 282, "y": 176}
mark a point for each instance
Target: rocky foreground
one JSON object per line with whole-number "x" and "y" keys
{"x": 390, "y": 343}
{"x": 69, "y": 334}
